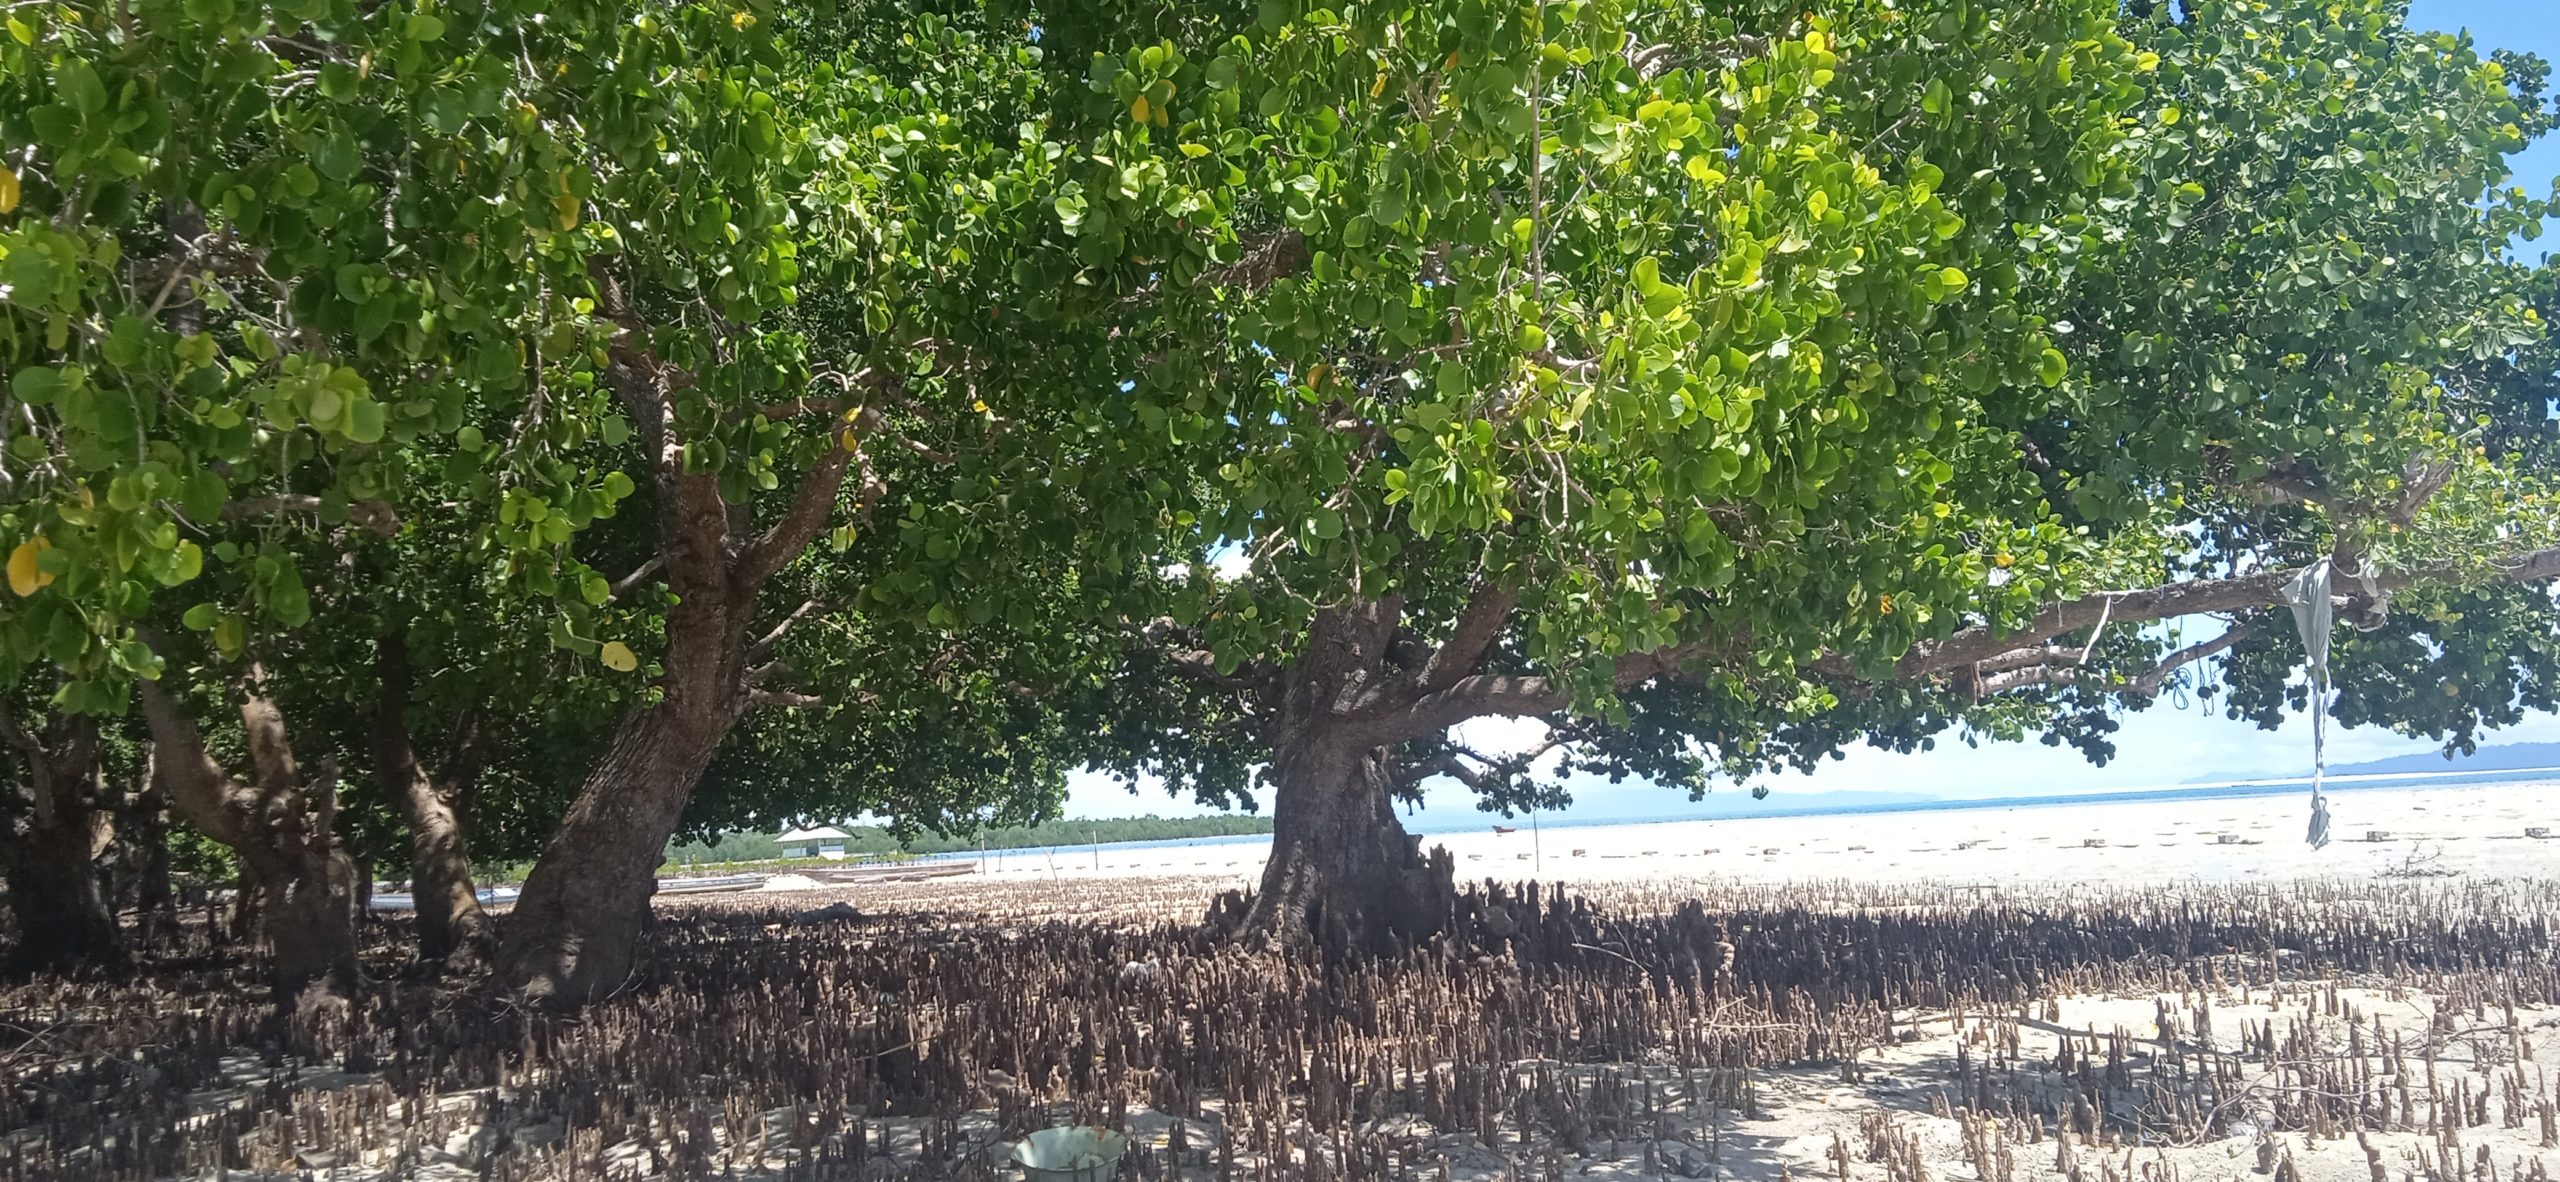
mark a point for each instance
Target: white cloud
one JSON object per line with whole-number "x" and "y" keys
{"x": 1092, "y": 795}
{"x": 1501, "y": 736}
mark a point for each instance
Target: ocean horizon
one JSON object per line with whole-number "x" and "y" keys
{"x": 1776, "y": 805}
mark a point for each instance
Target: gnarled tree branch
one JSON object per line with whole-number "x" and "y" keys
{"x": 1479, "y": 624}
{"x": 812, "y": 505}
{"x": 375, "y": 516}
{"x": 2247, "y": 592}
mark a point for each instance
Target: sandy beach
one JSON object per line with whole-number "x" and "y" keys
{"x": 2473, "y": 830}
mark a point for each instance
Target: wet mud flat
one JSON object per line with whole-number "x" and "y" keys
{"x": 2377, "y": 1030}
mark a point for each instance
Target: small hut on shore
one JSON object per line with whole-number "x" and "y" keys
{"x": 822, "y": 842}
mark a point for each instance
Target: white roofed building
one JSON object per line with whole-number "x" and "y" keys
{"x": 822, "y": 842}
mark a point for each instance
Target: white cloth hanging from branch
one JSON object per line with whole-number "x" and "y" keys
{"x": 2308, "y": 596}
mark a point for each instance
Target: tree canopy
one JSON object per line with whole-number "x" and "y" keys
{"x": 892, "y": 404}
{"x": 1729, "y": 389}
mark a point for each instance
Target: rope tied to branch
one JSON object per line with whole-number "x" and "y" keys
{"x": 2308, "y": 596}
{"x": 2105, "y": 611}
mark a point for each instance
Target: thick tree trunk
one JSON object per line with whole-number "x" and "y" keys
{"x": 575, "y": 933}
{"x": 296, "y": 883}
{"x": 452, "y": 929}
{"x": 1343, "y": 872}
{"x": 146, "y": 822}
{"x": 306, "y": 912}
{"x": 49, "y": 856}
{"x": 59, "y": 901}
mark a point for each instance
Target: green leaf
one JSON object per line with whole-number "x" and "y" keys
{"x": 37, "y": 384}
{"x": 365, "y": 421}
{"x": 80, "y": 88}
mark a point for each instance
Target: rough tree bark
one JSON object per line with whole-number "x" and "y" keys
{"x": 1343, "y": 873}
{"x": 282, "y": 826}
{"x": 453, "y": 931}
{"x": 49, "y": 855}
{"x": 575, "y": 931}
{"x": 155, "y": 898}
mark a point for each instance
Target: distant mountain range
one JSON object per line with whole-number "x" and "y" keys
{"x": 2501, "y": 758}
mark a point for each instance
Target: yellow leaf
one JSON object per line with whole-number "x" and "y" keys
{"x": 1194, "y": 151}
{"x": 1378, "y": 87}
{"x": 1814, "y": 41}
{"x": 24, "y": 577}
{"x": 1138, "y": 108}
{"x": 619, "y": 657}
{"x": 1315, "y": 376}
{"x": 2148, "y": 62}
{"x": 8, "y": 190}
{"x": 1451, "y": 62}
{"x": 850, "y": 441}
{"x": 1703, "y": 171}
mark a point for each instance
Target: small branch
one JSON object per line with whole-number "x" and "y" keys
{"x": 377, "y": 517}
{"x": 2148, "y": 685}
{"x": 785, "y": 699}
{"x": 868, "y": 376}
{"x": 764, "y": 644}
{"x": 812, "y": 505}
{"x": 1170, "y": 640}
{"x": 1448, "y": 764}
{"x": 630, "y": 582}
{"x": 1265, "y": 261}
{"x": 924, "y": 449}
{"x": 2420, "y": 480}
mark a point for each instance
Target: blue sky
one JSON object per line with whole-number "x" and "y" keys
{"x": 2531, "y": 26}
{"x": 2159, "y": 747}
